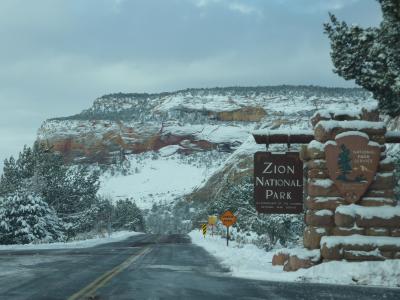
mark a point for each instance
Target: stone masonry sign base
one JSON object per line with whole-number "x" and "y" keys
{"x": 351, "y": 211}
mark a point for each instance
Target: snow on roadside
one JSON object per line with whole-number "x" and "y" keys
{"x": 115, "y": 237}
{"x": 248, "y": 261}
{"x": 244, "y": 261}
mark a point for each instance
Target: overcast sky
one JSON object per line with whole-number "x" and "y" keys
{"x": 57, "y": 56}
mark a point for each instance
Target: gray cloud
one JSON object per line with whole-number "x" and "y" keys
{"x": 58, "y": 55}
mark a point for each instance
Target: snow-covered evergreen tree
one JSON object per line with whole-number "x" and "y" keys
{"x": 70, "y": 191}
{"x": 370, "y": 56}
{"x": 10, "y": 179}
{"x": 127, "y": 216}
{"x": 25, "y": 218}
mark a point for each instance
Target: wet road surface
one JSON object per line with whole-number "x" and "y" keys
{"x": 149, "y": 267}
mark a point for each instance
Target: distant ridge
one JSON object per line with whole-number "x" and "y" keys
{"x": 111, "y": 106}
{"x": 261, "y": 88}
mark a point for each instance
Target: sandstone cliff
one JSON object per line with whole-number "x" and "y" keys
{"x": 220, "y": 119}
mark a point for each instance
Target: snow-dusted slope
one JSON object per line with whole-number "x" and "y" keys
{"x": 160, "y": 177}
{"x": 185, "y": 141}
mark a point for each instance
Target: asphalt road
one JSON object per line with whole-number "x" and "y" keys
{"x": 149, "y": 267}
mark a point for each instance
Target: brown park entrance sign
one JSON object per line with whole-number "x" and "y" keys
{"x": 352, "y": 161}
{"x": 278, "y": 183}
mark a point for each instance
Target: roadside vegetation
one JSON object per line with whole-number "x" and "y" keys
{"x": 44, "y": 200}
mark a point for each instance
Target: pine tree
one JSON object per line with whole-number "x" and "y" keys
{"x": 104, "y": 214}
{"x": 70, "y": 190}
{"x": 26, "y": 218}
{"x": 370, "y": 56}
{"x": 26, "y": 162}
{"x": 127, "y": 216}
{"x": 344, "y": 162}
{"x": 76, "y": 199}
{"x": 10, "y": 179}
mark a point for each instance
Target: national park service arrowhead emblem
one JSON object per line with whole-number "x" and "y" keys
{"x": 352, "y": 161}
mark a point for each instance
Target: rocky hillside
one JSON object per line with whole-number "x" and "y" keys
{"x": 186, "y": 144}
{"x": 193, "y": 120}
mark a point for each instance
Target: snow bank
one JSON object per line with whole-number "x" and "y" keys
{"x": 248, "y": 261}
{"x": 302, "y": 253}
{"x": 377, "y": 273}
{"x": 115, "y": 237}
{"x": 244, "y": 261}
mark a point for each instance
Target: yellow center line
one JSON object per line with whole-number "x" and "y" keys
{"x": 90, "y": 289}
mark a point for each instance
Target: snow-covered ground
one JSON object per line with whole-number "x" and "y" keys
{"x": 248, "y": 261}
{"x": 114, "y": 237}
{"x": 160, "y": 180}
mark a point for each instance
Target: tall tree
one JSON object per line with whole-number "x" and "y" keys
{"x": 70, "y": 190}
{"x": 10, "y": 179}
{"x": 370, "y": 56}
{"x": 26, "y": 218}
{"x": 128, "y": 216}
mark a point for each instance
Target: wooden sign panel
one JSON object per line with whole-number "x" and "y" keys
{"x": 352, "y": 162}
{"x": 228, "y": 218}
{"x": 278, "y": 183}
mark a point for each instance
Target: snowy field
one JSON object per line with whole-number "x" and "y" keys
{"x": 160, "y": 180}
{"x": 115, "y": 237}
{"x": 248, "y": 261}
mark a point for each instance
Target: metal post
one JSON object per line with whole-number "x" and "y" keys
{"x": 109, "y": 227}
{"x": 227, "y": 236}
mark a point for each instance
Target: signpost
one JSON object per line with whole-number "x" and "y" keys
{"x": 212, "y": 220}
{"x": 204, "y": 228}
{"x": 228, "y": 219}
{"x": 278, "y": 183}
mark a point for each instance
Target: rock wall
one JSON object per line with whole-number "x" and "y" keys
{"x": 191, "y": 119}
{"x": 366, "y": 230}
{"x": 101, "y": 141}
